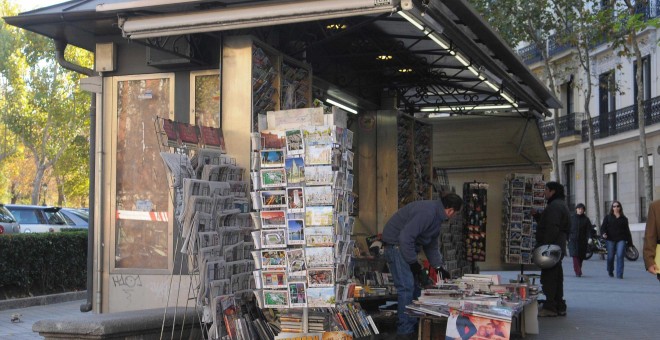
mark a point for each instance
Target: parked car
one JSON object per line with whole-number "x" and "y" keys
{"x": 38, "y": 219}
{"x": 76, "y": 218}
{"x": 8, "y": 224}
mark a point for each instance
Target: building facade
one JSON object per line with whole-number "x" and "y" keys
{"x": 616, "y": 134}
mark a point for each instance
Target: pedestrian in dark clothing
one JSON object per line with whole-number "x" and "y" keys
{"x": 553, "y": 228}
{"x": 578, "y": 238}
{"x": 411, "y": 229}
{"x": 616, "y": 232}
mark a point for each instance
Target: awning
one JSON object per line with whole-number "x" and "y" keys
{"x": 438, "y": 56}
{"x": 487, "y": 142}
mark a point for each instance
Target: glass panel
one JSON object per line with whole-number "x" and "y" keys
{"x": 207, "y": 100}
{"x": 142, "y": 185}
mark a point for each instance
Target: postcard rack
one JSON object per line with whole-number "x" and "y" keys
{"x": 522, "y": 194}
{"x": 302, "y": 181}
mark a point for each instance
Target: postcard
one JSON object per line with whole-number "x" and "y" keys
{"x": 273, "y": 219}
{"x": 295, "y": 198}
{"x": 272, "y": 158}
{"x": 298, "y": 294}
{"x": 318, "y": 154}
{"x": 273, "y": 199}
{"x": 322, "y": 195}
{"x": 273, "y": 178}
{"x": 294, "y": 142}
{"x": 319, "y": 236}
{"x": 294, "y": 168}
{"x": 272, "y": 140}
{"x": 348, "y": 143}
{"x": 321, "y": 297}
{"x": 320, "y": 277}
{"x": 295, "y": 231}
{"x": 319, "y": 135}
{"x": 349, "y": 182}
{"x": 276, "y": 298}
{"x": 319, "y": 216}
{"x": 273, "y": 259}
{"x": 295, "y": 117}
{"x": 319, "y": 257}
{"x": 319, "y": 175}
{"x": 273, "y": 278}
{"x": 273, "y": 238}
{"x": 337, "y": 160}
{"x": 296, "y": 262}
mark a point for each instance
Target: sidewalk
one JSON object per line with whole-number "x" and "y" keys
{"x": 29, "y": 315}
{"x": 599, "y": 307}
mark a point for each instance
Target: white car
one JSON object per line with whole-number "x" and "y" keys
{"x": 8, "y": 224}
{"x": 38, "y": 219}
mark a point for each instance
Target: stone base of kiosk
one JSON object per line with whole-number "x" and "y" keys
{"x": 134, "y": 325}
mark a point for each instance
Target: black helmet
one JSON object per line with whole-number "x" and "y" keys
{"x": 546, "y": 256}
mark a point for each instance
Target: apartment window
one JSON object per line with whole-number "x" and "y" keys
{"x": 646, "y": 78}
{"x": 643, "y": 202}
{"x": 607, "y": 104}
{"x": 609, "y": 184}
{"x": 568, "y": 98}
{"x": 569, "y": 183}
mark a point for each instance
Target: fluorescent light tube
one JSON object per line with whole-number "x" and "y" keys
{"x": 438, "y": 41}
{"x": 340, "y": 105}
{"x": 411, "y": 20}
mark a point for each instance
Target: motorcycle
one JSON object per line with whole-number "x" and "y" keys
{"x": 596, "y": 245}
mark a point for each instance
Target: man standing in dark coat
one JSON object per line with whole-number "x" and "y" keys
{"x": 578, "y": 238}
{"x": 553, "y": 227}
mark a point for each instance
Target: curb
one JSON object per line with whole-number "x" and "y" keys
{"x": 42, "y": 300}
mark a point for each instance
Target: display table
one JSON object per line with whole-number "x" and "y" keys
{"x": 523, "y": 321}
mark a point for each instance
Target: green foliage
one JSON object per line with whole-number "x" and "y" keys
{"x": 43, "y": 263}
{"x": 43, "y": 106}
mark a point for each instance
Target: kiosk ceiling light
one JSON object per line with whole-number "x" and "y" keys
{"x": 336, "y": 27}
{"x": 340, "y": 105}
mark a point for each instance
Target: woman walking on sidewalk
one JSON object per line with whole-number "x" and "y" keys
{"x": 616, "y": 232}
{"x": 578, "y": 238}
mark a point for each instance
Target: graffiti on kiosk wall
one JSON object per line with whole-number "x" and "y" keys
{"x": 126, "y": 281}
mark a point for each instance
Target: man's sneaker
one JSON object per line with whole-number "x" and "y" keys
{"x": 561, "y": 313}
{"x": 546, "y": 313}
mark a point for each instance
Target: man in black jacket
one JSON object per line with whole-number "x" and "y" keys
{"x": 553, "y": 228}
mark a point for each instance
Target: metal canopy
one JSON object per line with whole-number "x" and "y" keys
{"x": 437, "y": 57}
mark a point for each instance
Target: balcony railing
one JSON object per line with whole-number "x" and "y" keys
{"x": 530, "y": 54}
{"x": 622, "y": 120}
{"x": 569, "y": 125}
{"x": 555, "y": 46}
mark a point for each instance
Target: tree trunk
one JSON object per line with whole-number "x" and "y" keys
{"x": 37, "y": 184}
{"x": 641, "y": 118}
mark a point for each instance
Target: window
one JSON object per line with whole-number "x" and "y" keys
{"x": 646, "y": 79}
{"x": 567, "y": 94}
{"x": 643, "y": 203}
{"x": 569, "y": 183}
{"x": 607, "y": 104}
{"x": 609, "y": 184}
